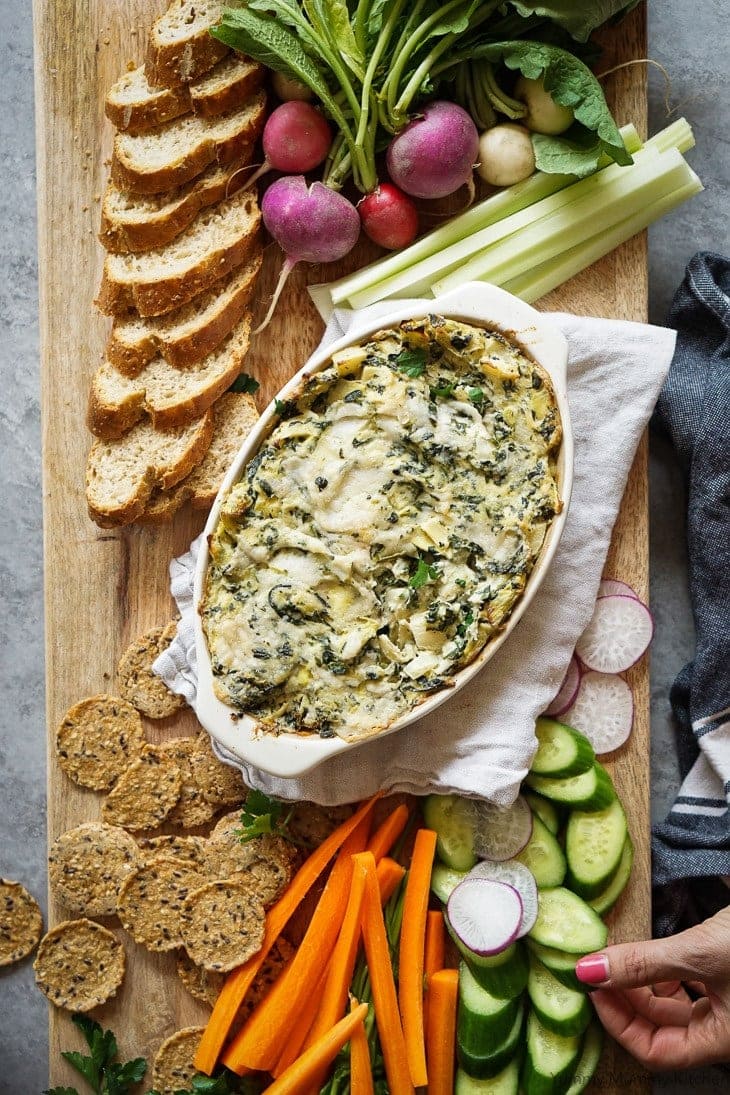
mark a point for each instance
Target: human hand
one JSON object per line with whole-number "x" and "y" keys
{"x": 642, "y": 1002}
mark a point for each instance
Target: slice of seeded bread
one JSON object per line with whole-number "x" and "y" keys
{"x": 188, "y": 335}
{"x": 235, "y": 416}
{"x": 173, "y": 154}
{"x": 180, "y": 47}
{"x": 133, "y": 222}
{"x": 134, "y": 106}
{"x": 157, "y": 282}
{"x": 122, "y": 474}
{"x": 171, "y": 397}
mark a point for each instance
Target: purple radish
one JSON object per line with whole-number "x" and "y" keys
{"x": 435, "y": 154}
{"x": 619, "y": 633}
{"x": 310, "y": 224}
{"x": 609, "y": 587}
{"x": 568, "y": 689}
{"x": 485, "y": 915}
{"x": 521, "y": 878}
{"x": 603, "y": 711}
{"x": 296, "y": 139}
{"x": 500, "y": 832}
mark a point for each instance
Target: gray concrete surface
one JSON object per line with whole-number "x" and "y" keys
{"x": 690, "y": 42}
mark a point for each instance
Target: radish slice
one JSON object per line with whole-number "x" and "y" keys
{"x": 603, "y": 711}
{"x": 520, "y": 878}
{"x": 609, "y": 587}
{"x": 568, "y": 689}
{"x": 617, "y": 636}
{"x": 501, "y": 831}
{"x": 485, "y": 915}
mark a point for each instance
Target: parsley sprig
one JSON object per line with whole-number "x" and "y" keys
{"x": 412, "y": 362}
{"x": 104, "y": 1074}
{"x": 423, "y": 573}
{"x": 261, "y": 815}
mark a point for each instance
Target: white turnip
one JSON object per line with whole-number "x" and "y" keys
{"x": 389, "y": 217}
{"x": 434, "y": 155}
{"x": 544, "y": 115}
{"x": 506, "y": 155}
{"x": 310, "y": 224}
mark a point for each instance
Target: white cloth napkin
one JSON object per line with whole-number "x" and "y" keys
{"x": 481, "y": 742}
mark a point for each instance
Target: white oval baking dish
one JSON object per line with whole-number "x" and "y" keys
{"x": 291, "y": 755}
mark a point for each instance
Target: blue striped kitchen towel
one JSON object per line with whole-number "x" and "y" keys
{"x": 691, "y": 849}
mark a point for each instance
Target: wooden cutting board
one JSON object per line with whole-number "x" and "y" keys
{"x": 102, "y": 588}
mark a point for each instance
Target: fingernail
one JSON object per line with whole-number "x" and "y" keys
{"x": 593, "y": 969}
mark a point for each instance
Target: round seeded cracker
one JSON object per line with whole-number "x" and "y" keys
{"x": 173, "y": 1069}
{"x": 184, "y": 849}
{"x": 220, "y": 783}
{"x": 79, "y": 965}
{"x": 204, "y": 985}
{"x": 21, "y": 922}
{"x": 191, "y": 809}
{"x": 151, "y": 900}
{"x": 138, "y": 684}
{"x": 222, "y": 925}
{"x": 97, "y": 740}
{"x": 88, "y": 864}
{"x": 146, "y": 793}
{"x": 265, "y": 863}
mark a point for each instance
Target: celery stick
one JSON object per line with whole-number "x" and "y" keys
{"x": 566, "y": 224}
{"x": 677, "y": 135}
{"x": 535, "y": 283}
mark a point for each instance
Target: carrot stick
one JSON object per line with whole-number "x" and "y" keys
{"x": 443, "y": 990}
{"x": 299, "y": 1076}
{"x": 386, "y": 835}
{"x": 385, "y": 999}
{"x": 260, "y": 1042}
{"x": 361, "y": 1070}
{"x": 434, "y": 952}
{"x": 411, "y": 957}
{"x": 239, "y": 981}
{"x": 390, "y": 875}
{"x": 299, "y": 1031}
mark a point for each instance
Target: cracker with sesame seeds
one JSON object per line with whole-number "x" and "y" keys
{"x": 79, "y": 965}
{"x": 191, "y": 809}
{"x": 88, "y": 864}
{"x": 98, "y": 739}
{"x": 21, "y": 922}
{"x": 312, "y": 824}
{"x": 222, "y": 924}
{"x": 185, "y": 849}
{"x": 151, "y": 900}
{"x": 220, "y": 783}
{"x": 138, "y": 684}
{"x": 265, "y": 863}
{"x": 146, "y": 793}
{"x": 173, "y": 1068}
{"x": 203, "y": 985}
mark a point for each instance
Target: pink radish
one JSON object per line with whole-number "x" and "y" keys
{"x": 619, "y": 633}
{"x": 389, "y": 217}
{"x": 520, "y": 878}
{"x": 603, "y": 711}
{"x": 296, "y": 138}
{"x": 310, "y": 224}
{"x": 609, "y": 587}
{"x": 485, "y": 915}
{"x": 568, "y": 689}
{"x": 435, "y": 154}
{"x": 500, "y": 832}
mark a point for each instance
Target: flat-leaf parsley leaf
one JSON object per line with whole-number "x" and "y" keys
{"x": 423, "y": 573}
{"x": 412, "y": 362}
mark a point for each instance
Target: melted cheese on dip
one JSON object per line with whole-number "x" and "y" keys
{"x": 384, "y": 530}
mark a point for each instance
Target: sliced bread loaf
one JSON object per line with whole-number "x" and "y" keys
{"x": 134, "y": 106}
{"x": 186, "y": 336}
{"x": 134, "y": 222}
{"x": 170, "y": 396}
{"x": 235, "y": 415}
{"x": 173, "y": 154}
{"x": 157, "y": 282}
{"x": 122, "y": 474}
{"x": 180, "y": 47}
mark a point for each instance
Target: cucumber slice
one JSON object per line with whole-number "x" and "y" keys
{"x": 453, "y": 819}
{"x": 544, "y": 809}
{"x": 490, "y": 1058}
{"x": 594, "y": 843}
{"x": 606, "y": 900}
{"x": 560, "y": 964}
{"x": 558, "y": 1007}
{"x": 591, "y": 791}
{"x": 543, "y": 856}
{"x": 444, "y": 881}
{"x": 561, "y": 751}
{"x": 550, "y": 1061}
{"x": 506, "y": 1082}
{"x": 503, "y": 975}
{"x": 566, "y": 922}
{"x": 482, "y": 1019}
{"x": 590, "y": 1055}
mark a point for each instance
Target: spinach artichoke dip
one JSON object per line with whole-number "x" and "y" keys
{"x": 384, "y": 530}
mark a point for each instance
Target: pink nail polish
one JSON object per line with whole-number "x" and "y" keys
{"x": 593, "y": 969}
